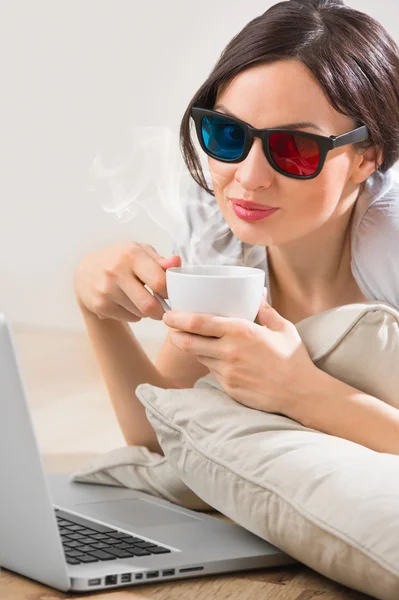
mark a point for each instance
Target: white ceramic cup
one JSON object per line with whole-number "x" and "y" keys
{"x": 221, "y": 290}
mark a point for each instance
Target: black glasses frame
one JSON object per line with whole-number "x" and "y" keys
{"x": 324, "y": 143}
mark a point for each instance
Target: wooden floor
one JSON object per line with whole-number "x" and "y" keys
{"x": 74, "y": 420}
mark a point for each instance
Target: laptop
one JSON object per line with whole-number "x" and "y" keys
{"x": 85, "y": 537}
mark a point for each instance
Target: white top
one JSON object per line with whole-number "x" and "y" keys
{"x": 206, "y": 238}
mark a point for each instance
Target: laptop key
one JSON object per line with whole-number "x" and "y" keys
{"x": 127, "y": 539}
{"x": 72, "y": 528}
{"x": 85, "y": 549}
{"x": 143, "y": 545}
{"x": 102, "y": 555}
{"x": 139, "y": 551}
{"x": 87, "y": 559}
{"x": 72, "y": 561}
{"x": 123, "y": 546}
{"x": 72, "y": 544}
{"x": 120, "y": 535}
{"x": 88, "y": 540}
{"x": 158, "y": 550}
{"x": 73, "y": 553}
{"x": 100, "y": 545}
{"x": 86, "y": 531}
{"x": 111, "y": 541}
{"x": 75, "y": 536}
{"x": 98, "y": 536}
{"x": 119, "y": 553}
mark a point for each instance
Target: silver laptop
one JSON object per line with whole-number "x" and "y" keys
{"x": 84, "y": 537}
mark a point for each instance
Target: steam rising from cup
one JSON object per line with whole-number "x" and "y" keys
{"x": 154, "y": 178}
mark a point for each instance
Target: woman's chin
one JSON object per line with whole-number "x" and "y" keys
{"x": 246, "y": 232}
{"x": 249, "y": 231}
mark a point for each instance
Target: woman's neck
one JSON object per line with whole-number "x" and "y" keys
{"x": 314, "y": 267}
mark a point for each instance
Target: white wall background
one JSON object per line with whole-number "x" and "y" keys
{"x": 76, "y": 75}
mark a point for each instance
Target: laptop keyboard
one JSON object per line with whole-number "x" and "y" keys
{"x": 85, "y": 541}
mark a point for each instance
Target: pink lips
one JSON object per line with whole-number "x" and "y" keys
{"x": 252, "y": 215}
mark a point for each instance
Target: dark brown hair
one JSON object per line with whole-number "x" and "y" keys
{"x": 351, "y": 55}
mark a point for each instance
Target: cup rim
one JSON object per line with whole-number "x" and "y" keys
{"x": 247, "y": 271}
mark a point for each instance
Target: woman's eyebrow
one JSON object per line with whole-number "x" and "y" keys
{"x": 285, "y": 126}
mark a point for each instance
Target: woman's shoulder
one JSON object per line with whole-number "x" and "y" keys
{"x": 375, "y": 238}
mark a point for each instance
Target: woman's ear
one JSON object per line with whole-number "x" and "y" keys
{"x": 367, "y": 163}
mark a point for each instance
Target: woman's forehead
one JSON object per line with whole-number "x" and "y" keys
{"x": 270, "y": 95}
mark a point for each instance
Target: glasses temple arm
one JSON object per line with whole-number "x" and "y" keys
{"x": 357, "y": 135}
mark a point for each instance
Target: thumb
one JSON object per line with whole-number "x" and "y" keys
{"x": 267, "y": 315}
{"x": 265, "y": 297}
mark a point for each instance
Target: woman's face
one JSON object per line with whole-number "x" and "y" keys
{"x": 274, "y": 95}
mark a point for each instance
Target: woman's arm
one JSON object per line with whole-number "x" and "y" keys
{"x": 125, "y": 365}
{"x": 336, "y": 408}
{"x": 184, "y": 368}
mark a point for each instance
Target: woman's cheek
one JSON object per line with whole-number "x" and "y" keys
{"x": 221, "y": 173}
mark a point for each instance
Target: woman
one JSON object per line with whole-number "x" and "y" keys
{"x": 311, "y": 69}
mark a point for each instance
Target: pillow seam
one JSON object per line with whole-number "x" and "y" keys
{"x": 124, "y": 464}
{"x": 348, "y": 331}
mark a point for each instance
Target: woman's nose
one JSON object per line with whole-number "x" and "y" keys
{"x": 255, "y": 169}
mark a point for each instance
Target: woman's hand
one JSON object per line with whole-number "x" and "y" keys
{"x": 110, "y": 282}
{"x": 264, "y": 365}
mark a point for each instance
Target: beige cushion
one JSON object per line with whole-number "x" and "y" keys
{"x": 359, "y": 344}
{"x": 328, "y": 502}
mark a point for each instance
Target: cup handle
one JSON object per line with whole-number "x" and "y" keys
{"x": 163, "y": 302}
